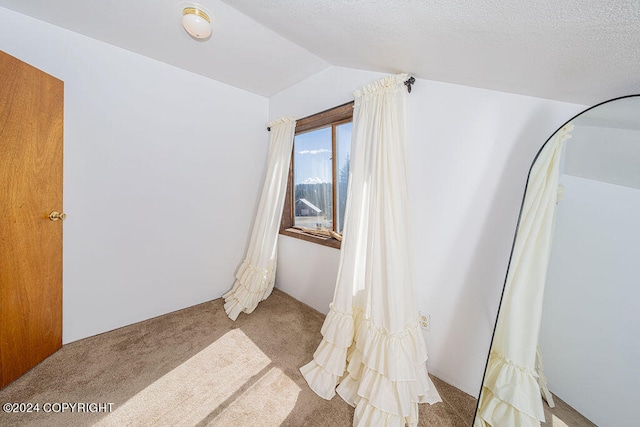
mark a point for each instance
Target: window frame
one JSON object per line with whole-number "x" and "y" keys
{"x": 331, "y": 117}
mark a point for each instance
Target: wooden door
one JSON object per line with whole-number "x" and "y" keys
{"x": 31, "y": 117}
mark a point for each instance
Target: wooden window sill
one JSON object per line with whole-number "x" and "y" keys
{"x": 299, "y": 234}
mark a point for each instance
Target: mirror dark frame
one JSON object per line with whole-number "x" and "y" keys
{"x": 516, "y": 234}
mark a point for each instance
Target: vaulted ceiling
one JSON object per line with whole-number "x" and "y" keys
{"x": 582, "y": 51}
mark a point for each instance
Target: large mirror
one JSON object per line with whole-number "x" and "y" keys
{"x": 566, "y": 347}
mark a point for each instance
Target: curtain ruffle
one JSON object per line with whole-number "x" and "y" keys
{"x": 502, "y": 414}
{"x": 251, "y": 286}
{"x": 386, "y": 376}
{"x": 393, "y": 83}
{"x": 330, "y": 358}
{"x": 282, "y": 121}
{"x": 508, "y": 399}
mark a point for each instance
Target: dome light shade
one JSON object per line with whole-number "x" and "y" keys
{"x": 196, "y": 22}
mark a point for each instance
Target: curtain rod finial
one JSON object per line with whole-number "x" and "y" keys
{"x": 411, "y": 80}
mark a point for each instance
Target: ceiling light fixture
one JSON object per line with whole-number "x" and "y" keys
{"x": 196, "y": 22}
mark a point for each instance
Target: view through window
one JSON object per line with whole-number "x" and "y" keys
{"x": 319, "y": 187}
{"x": 319, "y": 177}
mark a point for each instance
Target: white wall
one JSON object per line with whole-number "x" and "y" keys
{"x": 161, "y": 177}
{"x": 590, "y": 323}
{"x": 469, "y": 154}
{"x": 604, "y": 154}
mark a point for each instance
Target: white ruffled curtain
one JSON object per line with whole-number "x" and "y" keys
{"x": 511, "y": 393}
{"x": 255, "y": 277}
{"x": 373, "y": 349}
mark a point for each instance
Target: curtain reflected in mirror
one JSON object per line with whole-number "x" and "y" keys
{"x": 565, "y": 350}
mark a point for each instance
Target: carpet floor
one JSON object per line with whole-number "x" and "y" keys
{"x": 563, "y": 415}
{"x": 195, "y": 367}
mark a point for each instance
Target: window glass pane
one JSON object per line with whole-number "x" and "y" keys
{"x": 312, "y": 174}
{"x": 343, "y": 148}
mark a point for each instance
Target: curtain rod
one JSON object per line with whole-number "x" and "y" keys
{"x": 411, "y": 80}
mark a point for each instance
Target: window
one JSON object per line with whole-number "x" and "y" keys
{"x": 318, "y": 177}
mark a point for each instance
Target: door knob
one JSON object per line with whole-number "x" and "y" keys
{"x": 54, "y": 216}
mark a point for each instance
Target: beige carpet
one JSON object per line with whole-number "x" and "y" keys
{"x": 195, "y": 367}
{"x": 563, "y": 415}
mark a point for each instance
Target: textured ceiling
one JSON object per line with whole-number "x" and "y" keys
{"x": 582, "y": 51}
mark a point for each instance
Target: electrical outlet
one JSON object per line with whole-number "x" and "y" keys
{"x": 425, "y": 321}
